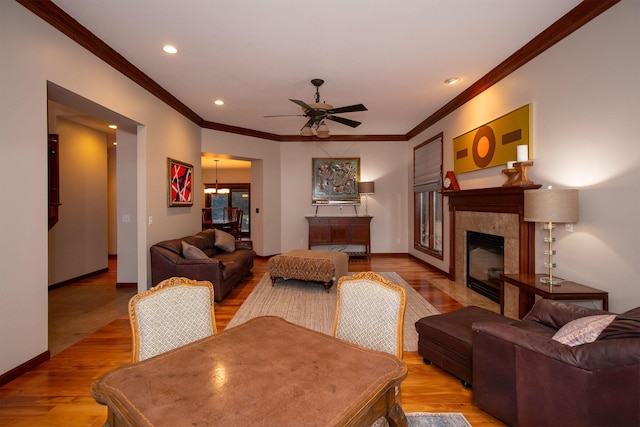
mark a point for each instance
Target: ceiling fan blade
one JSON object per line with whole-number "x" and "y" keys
{"x": 348, "y": 109}
{"x": 287, "y": 115}
{"x": 344, "y": 121}
{"x": 302, "y": 104}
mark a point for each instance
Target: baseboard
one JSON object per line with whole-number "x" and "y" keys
{"x": 75, "y": 279}
{"x": 25, "y": 367}
{"x": 126, "y": 284}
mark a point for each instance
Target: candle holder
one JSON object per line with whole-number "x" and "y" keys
{"x": 523, "y": 169}
{"x": 518, "y": 175}
{"x": 511, "y": 174}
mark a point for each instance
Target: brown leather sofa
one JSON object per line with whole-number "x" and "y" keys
{"x": 223, "y": 266}
{"x": 525, "y": 378}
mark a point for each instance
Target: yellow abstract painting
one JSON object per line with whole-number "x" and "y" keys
{"x": 494, "y": 143}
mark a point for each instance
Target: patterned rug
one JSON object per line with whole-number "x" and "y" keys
{"x": 309, "y": 305}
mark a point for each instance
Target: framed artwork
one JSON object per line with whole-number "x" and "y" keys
{"x": 335, "y": 181}
{"x": 494, "y": 143}
{"x": 180, "y": 184}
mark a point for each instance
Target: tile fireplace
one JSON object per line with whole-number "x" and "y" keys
{"x": 496, "y": 211}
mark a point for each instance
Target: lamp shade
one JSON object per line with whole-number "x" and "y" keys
{"x": 551, "y": 205}
{"x": 306, "y": 131}
{"x": 322, "y": 131}
{"x": 366, "y": 187}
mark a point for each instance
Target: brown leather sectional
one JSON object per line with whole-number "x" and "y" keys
{"x": 525, "y": 378}
{"x": 222, "y": 268}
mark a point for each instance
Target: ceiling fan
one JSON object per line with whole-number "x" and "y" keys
{"x": 318, "y": 112}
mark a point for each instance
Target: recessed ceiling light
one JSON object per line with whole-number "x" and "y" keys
{"x": 170, "y": 49}
{"x": 113, "y": 127}
{"x": 115, "y": 143}
{"x": 218, "y": 102}
{"x": 452, "y": 80}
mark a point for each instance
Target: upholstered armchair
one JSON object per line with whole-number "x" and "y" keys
{"x": 173, "y": 313}
{"x": 523, "y": 376}
{"x": 370, "y": 312}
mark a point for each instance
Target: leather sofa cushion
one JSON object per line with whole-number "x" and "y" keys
{"x": 556, "y": 314}
{"x": 625, "y": 325}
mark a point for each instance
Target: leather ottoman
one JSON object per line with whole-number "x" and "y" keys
{"x": 325, "y": 267}
{"x": 445, "y": 339}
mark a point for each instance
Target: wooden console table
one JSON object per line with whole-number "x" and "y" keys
{"x": 529, "y": 286}
{"x": 340, "y": 230}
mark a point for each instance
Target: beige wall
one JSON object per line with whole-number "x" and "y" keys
{"x": 584, "y": 92}
{"x": 226, "y": 175}
{"x": 35, "y": 53}
{"x": 78, "y": 243}
{"x": 381, "y": 162}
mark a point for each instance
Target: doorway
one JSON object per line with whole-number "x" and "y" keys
{"x": 83, "y": 245}
{"x": 239, "y": 196}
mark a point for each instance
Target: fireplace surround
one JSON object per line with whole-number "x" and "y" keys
{"x": 498, "y": 211}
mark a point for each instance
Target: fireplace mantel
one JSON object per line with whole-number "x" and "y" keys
{"x": 496, "y": 200}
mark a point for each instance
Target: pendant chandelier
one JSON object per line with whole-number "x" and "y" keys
{"x": 216, "y": 190}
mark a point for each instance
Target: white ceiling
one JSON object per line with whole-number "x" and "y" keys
{"x": 391, "y": 56}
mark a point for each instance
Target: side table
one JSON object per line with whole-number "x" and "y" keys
{"x": 529, "y": 286}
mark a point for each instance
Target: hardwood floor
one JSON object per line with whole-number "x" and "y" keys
{"x": 56, "y": 393}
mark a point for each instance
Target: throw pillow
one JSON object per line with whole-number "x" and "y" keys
{"x": 583, "y": 330}
{"x": 191, "y": 252}
{"x": 225, "y": 241}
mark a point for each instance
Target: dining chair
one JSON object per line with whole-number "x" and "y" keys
{"x": 370, "y": 312}
{"x": 207, "y": 218}
{"x": 237, "y": 225}
{"x": 229, "y": 213}
{"x": 175, "y": 312}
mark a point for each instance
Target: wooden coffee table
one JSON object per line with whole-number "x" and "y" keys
{"x": 529, "y": 286}
{"x": 265, "y": 372}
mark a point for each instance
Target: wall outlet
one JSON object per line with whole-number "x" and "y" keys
{"x": 569, "y": 228}
{"x": 126, "y": 218}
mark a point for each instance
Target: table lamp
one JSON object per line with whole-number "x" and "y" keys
{"x": 366, "y": 188}
{"x": 551, "y": 206}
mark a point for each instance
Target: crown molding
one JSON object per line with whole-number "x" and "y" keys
{"x": 567, "y": 24}
{"x": 570, "y": 22}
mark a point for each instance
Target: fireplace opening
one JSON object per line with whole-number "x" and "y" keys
{"x": 485, "y": 263}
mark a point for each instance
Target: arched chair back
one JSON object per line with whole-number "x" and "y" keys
{"x": 237, "y": 225}
{"x": 175, "y": 312}
{"x": 229, "y": 213}
{"x": 207, "y": 218}
{"x": 370, "y": 312}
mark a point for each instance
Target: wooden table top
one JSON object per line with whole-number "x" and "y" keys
{"x": 566, "y": 287}
{"x": 264, "y": 372}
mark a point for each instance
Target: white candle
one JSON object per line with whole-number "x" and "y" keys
{"x": 523, "y": 153}
{"x": 510, "y": 165}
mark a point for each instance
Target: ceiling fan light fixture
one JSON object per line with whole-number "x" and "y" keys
{"x": 306, "y": 131}
{"x": 322, "y": 131}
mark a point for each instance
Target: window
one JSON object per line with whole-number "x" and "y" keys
{"x": 427, "y": 199}
{"x": 238, "y": 196}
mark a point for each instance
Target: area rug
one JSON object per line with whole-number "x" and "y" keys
{"x": 308, "y": 304}
{"x": 445, "y": 419}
